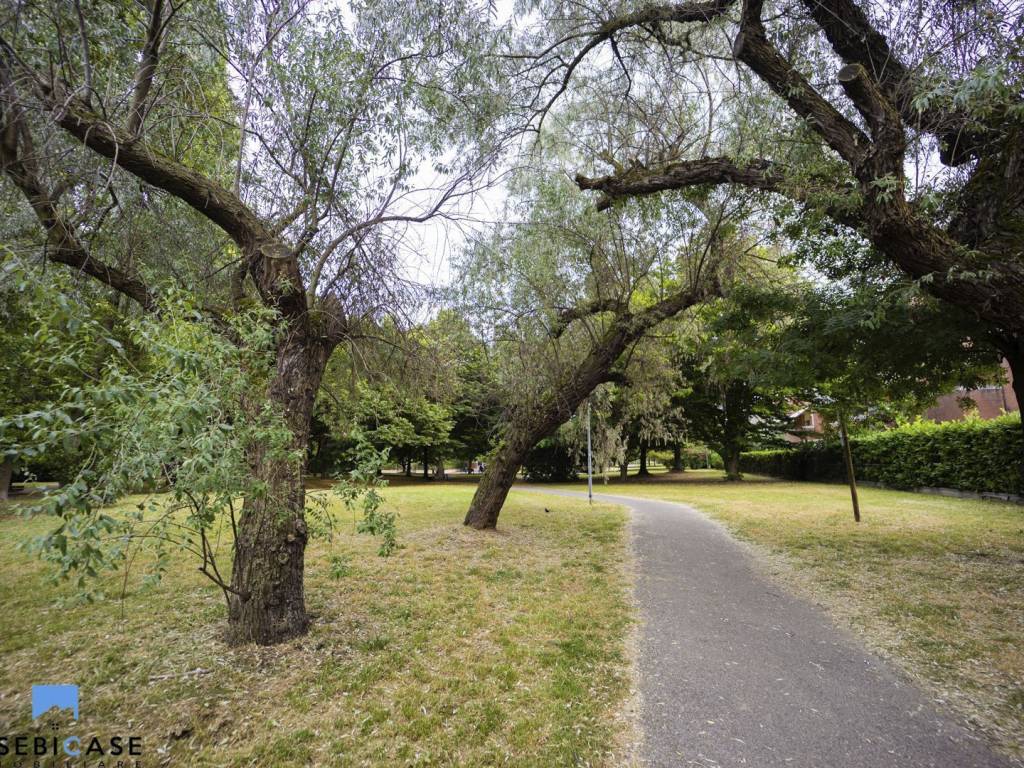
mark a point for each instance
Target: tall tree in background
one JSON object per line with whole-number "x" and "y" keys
{"x": 731, "y": 398}
{"x": 900, "y": 121}
{"x": 872, "y": 354}
{"x": 328, "y": 153}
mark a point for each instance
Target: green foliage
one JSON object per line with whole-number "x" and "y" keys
{"x": 550, "y": 461}
{"x": 172, "y": 407}
{"x": 435, "y": 401}
{"x": 341, "y": 566}
{"x": 969, "y": 455}
{"x": 361, "y": 489}
{"x": 693, "y": 456}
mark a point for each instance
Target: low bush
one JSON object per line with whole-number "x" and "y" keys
{"x": 551, "y": 461}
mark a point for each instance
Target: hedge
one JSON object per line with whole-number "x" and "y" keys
{"x": 970, "y": 455}
{"x": 550, "y": 461}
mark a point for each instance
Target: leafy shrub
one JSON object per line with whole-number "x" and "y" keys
{"x": 550, "y": 461}
{"x": 694, "y": 457}
{"x": 970, "y": 455}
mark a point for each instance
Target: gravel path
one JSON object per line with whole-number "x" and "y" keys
{"x": 735, "y": 671}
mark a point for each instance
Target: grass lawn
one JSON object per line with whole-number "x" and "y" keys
{"x": 464, "y": 648}
{"x": 934, "y": 582}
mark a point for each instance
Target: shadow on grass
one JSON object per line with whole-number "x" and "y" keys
{"x": 698, "y": 477}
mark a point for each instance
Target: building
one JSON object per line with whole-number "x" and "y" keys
{"x": 805, "y": 424}
{"x": 990, "y": 401}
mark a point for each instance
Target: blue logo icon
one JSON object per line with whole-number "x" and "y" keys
{"x": 45, "y": 697}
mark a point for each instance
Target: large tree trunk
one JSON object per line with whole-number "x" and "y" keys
{"x": 624, "y": 470}
{"x": 6, "y": 472}
{"x": 731, "y": 459}
{"x": 643, "y": 472}
{"x": 266, "y": 603}
{"x": 677, "y": 458}
{"x": 533, "y": 423}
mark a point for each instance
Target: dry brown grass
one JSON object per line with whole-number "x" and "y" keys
{"x": 464, "y": 648}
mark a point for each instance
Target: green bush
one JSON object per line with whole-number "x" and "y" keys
{"x": 549, "y": 462}
{"x": 970, "y": 455}
{"x": 694, "y": 457}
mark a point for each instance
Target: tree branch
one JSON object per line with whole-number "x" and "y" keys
{"x": 855, "y": 39}
{"x": 207, "y": 197}
{"x": 147, "y": 68}
{"x": 881, "y": 117}
{"x": 753, "y": 48}
{"x": 680, "y": 13}
{"x": 638, "y": 181}
{"x": 580, "y": 311}
{"x": 17, "y": 162}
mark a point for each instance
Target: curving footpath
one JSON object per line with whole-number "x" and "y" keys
{"x": 734, "y": 671}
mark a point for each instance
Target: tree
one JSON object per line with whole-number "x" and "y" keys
{"x": 870, "y": 353}
{"x": 728, "y": 412}
{"x": 29, "y": 320}
{"x": 425, "y": 392}
{"x": 164, "y": 409}
{"x": 835, "y": 107}
{"x": 642, "y": 408}
{"x": 311, "y": 189}
{"x": 572, "y": 293}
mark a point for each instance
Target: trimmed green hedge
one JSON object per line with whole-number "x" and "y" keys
{"x": 971, "y": 455}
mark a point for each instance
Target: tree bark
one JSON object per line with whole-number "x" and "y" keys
{"x": 426, "y": 464}
{"x": 731, "y": 459}
{"x": 643, "y": 472}
{"x": 6, "y": 472}
{"x": 496, "y": 482}
{"x": 408, "y": 466}
{"x": 624, "y": 470}
{"x": 848, "y": 459}
{"x": 677, "y": 458}
{"x": 266, "y": 601}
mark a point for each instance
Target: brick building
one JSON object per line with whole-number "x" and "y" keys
{"x": 991, "y": 401}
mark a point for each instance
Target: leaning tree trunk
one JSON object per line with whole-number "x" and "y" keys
{"x": 535, "y": 423}
{"x": 266, "y": 603}
{"x": 496, "y": 482}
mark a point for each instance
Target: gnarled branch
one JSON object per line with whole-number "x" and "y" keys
{"x": 638, "y": 181}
